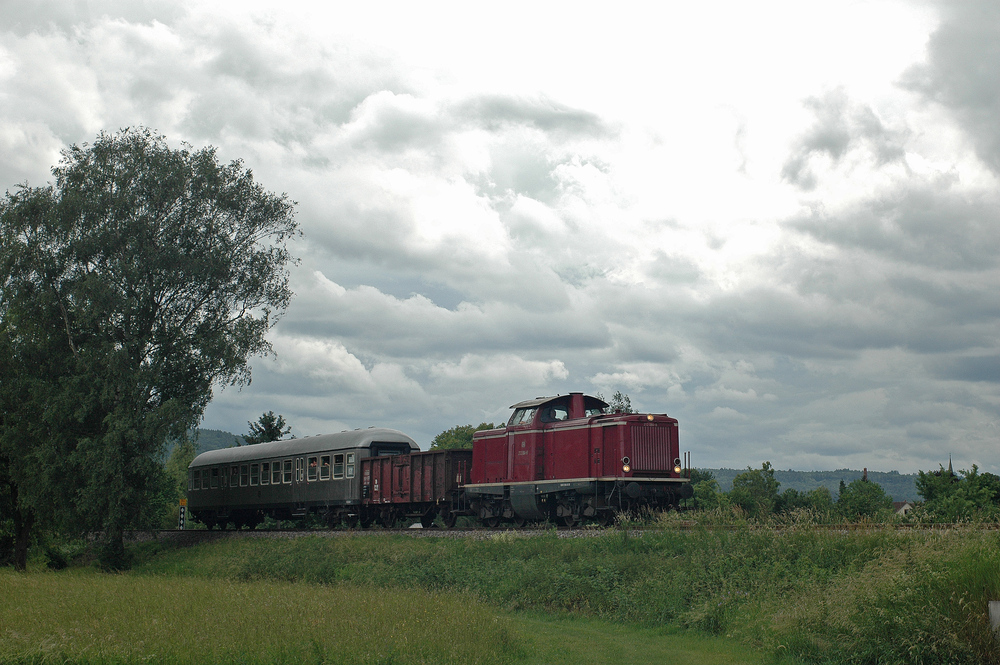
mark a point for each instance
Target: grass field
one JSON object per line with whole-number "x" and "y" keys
{"x": 744, "y": 595}
{"x": 88, "y": 617}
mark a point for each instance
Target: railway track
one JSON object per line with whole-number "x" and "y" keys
{"x": 193, "y": 536}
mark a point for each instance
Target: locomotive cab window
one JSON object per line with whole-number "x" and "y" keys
{"x": 554, "y": 413}
{"x": 265, "y": 472}
{"x": 521, "y": 417}
{"x": 215, "y": 477}
{"x": 338, "y": 466}
{"x": 287, "y": 469}
{"x": 350, "y": 465}
{"x": 254, "y": 475}
{"x": 324, "y": 467}
{"x": 313, "y": 469}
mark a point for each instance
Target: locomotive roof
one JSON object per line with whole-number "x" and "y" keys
{"x": 538, "y": 401}
{"x": 363, "y": 438}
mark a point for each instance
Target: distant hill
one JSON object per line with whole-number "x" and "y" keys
{"x": 900, "y": 486}
{"x": 214, "y": 439}
{"x": 207, "y": 439}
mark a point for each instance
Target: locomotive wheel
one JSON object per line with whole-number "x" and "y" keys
{"x": 606, "y": 518}
{"x": 366, "y": 520}
{"x": 387, "y": 519}
{"x": 427, "y": 519}
{"x": 449, "y": 519}
{"x": 351, "y": 521}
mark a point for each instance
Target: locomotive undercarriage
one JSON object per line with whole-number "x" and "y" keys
{"x": 572, "y": 502}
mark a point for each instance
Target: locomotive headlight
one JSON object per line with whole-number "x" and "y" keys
{"x": 626, "y": 468}
{"x": 649, "y": 416}
{"x": 625, "y": 464}
{"x": 677, "y": 465}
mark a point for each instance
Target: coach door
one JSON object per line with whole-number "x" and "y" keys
{"x": 299, "y": 481}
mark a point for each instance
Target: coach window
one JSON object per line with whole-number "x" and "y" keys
{"x": 313, "y": 469}
{"x": 234, "y": 476}
{"x": 244, "y": 474}
{"x": 276, "y": 473}
{"x": 215, "y": 477}
{"x": 254, "y": 475}
{"x": 265, "y": 472}
{"x": 350, "y": 465}
{"x": 204, "y": 479}
{"x": 194, "y": 482}
{"x": 287, "y": 479}
{"x": 338, "y": 466}
{"x": 324, "y": 467}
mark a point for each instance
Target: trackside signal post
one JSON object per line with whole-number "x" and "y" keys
{"x": 180, "y": 513}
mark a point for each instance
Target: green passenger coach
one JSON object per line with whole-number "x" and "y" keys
{"x": 288, "y": 479}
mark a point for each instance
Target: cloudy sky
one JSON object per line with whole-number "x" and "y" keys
{"x": 775, "y": 221}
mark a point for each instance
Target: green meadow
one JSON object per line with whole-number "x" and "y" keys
{"x": 739, "y": 595}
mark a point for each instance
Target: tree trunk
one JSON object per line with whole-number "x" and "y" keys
{"x": 23, "y": 521}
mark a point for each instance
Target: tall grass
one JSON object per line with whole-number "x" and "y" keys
{"x": 876, "y": 596}
{"x": 92, "y": 618}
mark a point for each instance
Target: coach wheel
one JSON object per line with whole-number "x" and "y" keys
{"x": 449, "y": 519}
{"x": 606, "y": 518}
{"x": 520, "y": 522}
{"x": 491, "y": 522}
{"x": 569, "y": 520}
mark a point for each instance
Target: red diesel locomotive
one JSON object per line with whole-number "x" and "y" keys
{"x": 564, "y": 458}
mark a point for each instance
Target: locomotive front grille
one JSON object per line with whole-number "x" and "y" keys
{"x": 651, "y": 449}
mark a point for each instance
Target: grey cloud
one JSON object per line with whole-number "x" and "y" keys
{"x": 962, "y": 71}
{"x": 920, "y": 225}
{"x": 969, "y": 368}
{"x": 23, "y": 18}
{"x": 840, "y": 126}
{"x": 496, "y": 111}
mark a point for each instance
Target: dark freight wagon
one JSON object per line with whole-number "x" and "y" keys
{"x": 415, "y": 485}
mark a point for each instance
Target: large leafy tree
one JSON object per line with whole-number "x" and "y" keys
{"x": 128, "y": 288}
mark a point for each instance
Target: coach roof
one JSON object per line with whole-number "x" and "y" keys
{"x": 359, "y": 438}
